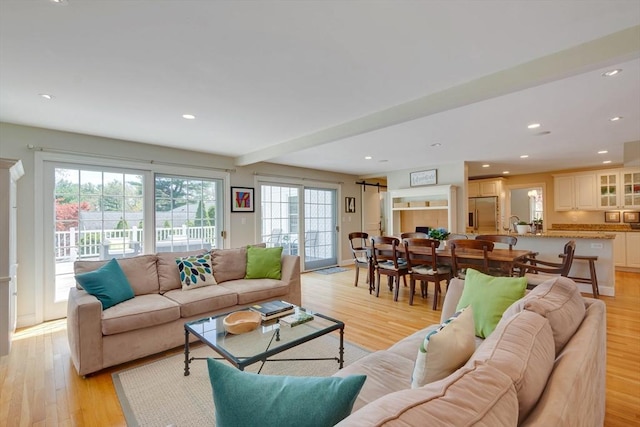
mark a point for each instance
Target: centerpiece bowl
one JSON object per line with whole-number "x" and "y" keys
{"x": 241, "y": 322}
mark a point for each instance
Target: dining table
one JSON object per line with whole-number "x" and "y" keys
{"x": 501, "y": 258}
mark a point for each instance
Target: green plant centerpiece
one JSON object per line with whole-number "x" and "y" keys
{"x": 439, "y": 233}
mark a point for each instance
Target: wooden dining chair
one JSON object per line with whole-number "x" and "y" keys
{"x": 359, "y": 242}
{"x": 537, "y": 271}
{"x": 499, "y": 238}
{"x": 457, "y": 237}
{"x": 388, "y": 262}
{"x": 424, "y": 267}
{"x": 510, "y": 241}
{"x": 460, "y": 259}
{"x": 414, "y": 235}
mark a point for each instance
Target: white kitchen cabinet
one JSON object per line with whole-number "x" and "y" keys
{"x": 633, "y": 249}
{"x": 484, "y": 187}
{"x": 618, "y": 189}
{"x": 575, "y": 192}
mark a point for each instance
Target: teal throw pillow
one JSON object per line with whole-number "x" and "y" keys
{"x": 195, "y": 271}
{"x": 244, "y": 399}
{"x": 489, "y": 297}
{"x": 108, "y": 284}
{"x": 264, "y": 263}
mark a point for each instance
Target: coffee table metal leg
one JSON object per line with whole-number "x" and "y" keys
{"x": 341, "y": 347}
{"x": 186, "y": 352}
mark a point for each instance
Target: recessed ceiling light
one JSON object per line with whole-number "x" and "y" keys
{"x": 383, "y": 161}
{"x": 534, "y": 126}
{"x": 436, "y": 144}
{"x": 524, "y": 156}
{"x": 505, "y": 172}
{"x": 612, "y": 73}
{"x": 615, "y": 119}
{"x": 45, "y": 96}
{"x": 607, "y": 161}
{"x": 542, "y": 133}
{"x": 486, "y": 165}
{"x": 602, "y": 152}
{"x": 59, "y": 1}
{"x": 188, "y": 116}
{"x": 368, "y": 157}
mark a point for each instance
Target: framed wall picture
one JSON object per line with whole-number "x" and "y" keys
{"x": 631, "y": 217}
{"x": 350, "y": 204}
{"x": 242, "y": 199}
{"x": 428, "y": 177}
{"x": 612, "y": 216}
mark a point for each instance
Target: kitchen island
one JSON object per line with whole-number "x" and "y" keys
{"x": 550, "y": 244}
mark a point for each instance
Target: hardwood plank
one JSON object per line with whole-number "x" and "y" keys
{"x": 39, "y": 385}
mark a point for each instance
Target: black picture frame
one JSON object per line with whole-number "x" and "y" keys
{"x": 242, "y": 199}
{"x": 612, "y": 216}
{"x": 631, "y": 217}
{"x": 350, "y": 204}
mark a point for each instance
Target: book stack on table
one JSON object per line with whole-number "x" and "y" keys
{"x": 273, "y": 309}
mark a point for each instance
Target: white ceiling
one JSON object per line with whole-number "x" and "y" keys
{"x": 321, "y": 84}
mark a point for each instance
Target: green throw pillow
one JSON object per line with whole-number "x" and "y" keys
{"x": 264, "y": 263}
{"x": 489, "y": 297}
{"x": 244, "y": 399}
{"x": 108, "y": 284}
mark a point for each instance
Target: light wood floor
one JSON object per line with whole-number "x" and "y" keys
{"x": 39, "y": 386}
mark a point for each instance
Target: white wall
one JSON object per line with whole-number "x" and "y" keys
{"x": 14, "y": 140}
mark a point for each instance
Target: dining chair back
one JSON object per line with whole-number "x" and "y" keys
{"x": 388, "y": 262}
{"x": 414, "y": 235}
{"x": 422, "y": 259}
{"x": 461, "y": 249}
{"x": 499, "y": 238}
{"x": 537, "y": 271}
{"x": 457, "y": 237}
{"x": 359, "y": 241}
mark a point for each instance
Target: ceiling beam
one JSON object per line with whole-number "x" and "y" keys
{"x": 617, "y": 47}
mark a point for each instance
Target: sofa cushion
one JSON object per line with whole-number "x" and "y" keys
{"x": 248, "y": 399}
{"x": 202, "y": 300}
{"x": 445, "y": 349}
{"x": 489, "y": 296}
{"x": 252, "y": 290}
{"x": 138, "y": 313}
{"x": 229, "y": 264}
{"x": 476, "y": 396}
{"x": 168, "y": 274}
{"x": 559, "y": 300}
{"x": 386, "y": 372}
{"x": 108, "y": 283}
{"x": 195, "y": 271}
{"x": 522, "y": 347}
{"x": 140, "y": 271}
{"x": 264, "y": 263}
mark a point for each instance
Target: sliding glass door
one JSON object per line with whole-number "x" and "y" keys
{"x": 313, "y": 235}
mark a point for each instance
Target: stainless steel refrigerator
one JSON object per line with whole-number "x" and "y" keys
{"x": 483, "y": 215}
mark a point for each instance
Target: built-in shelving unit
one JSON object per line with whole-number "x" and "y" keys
{"x": 429, "y": 206}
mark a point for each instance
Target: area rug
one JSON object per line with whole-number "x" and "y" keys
{"x": 158, "y": 394}
{"x": 331, "y": 270}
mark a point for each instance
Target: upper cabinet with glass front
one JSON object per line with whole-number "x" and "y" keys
{"x": 619, "y": 189}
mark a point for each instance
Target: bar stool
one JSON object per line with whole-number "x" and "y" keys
{"x": 593, "y": 278}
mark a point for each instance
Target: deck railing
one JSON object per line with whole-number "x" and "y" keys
{"x": 73, "y": 244}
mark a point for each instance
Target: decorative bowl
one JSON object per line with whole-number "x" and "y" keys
{"x": 241, "y": 322}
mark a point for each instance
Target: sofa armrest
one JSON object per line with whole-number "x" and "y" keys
{"x": 291, "y": 275}
{"x": 454, "y": 292}
{"x": 84, "y": 330}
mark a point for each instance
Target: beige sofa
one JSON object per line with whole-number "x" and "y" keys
{"x": 153, "y": 321}
{"x": 544, "y": 365}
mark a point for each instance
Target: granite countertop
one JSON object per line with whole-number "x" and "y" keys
{"x": 604, "y": 228}
{"x": 563, "y": 234}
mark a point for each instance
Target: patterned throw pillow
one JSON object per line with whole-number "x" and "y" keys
{"x": 445, "y": 349}
{"x": 195, "y": 271}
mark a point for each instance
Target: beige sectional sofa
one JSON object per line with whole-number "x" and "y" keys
{"x": 544, "y": 365}
{"x": 153, "y": 321}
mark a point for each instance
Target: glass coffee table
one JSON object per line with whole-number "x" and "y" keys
{"x": 259, "y": 345}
